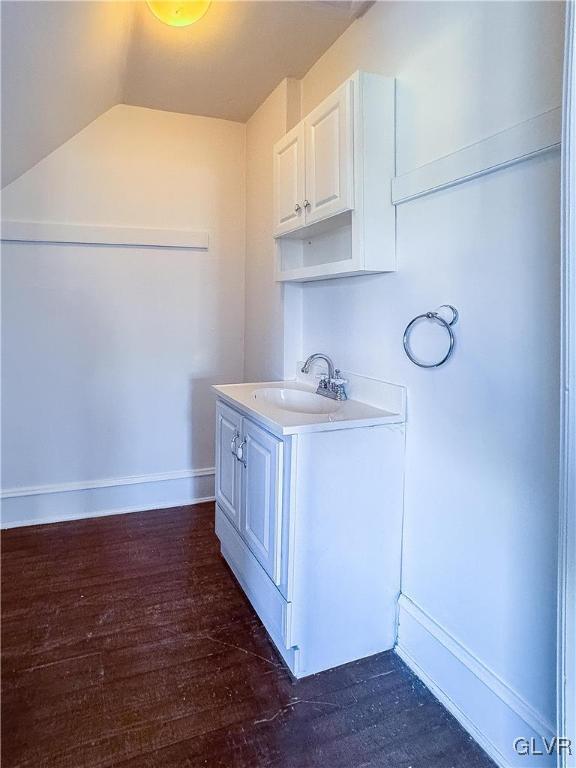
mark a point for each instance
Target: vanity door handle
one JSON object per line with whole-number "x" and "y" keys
{"x": 233, "y": 443}
{"x": 307, "y": 204}
{"x": 297, "y": 208}
{"x": 240, "y": 452}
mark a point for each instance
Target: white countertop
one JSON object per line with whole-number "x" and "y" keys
{"x": 349, "y": 414}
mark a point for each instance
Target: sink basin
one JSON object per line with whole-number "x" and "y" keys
{"x": 296, "y": 400}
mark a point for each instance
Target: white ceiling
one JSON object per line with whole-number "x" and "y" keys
{"x": 66, "y": 62}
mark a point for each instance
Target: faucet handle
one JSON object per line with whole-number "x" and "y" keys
{"x": 338, "y": 377}
{"x": 338, "y": 387}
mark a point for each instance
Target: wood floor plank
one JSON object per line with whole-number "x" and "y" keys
{"x": 127, "y": 642}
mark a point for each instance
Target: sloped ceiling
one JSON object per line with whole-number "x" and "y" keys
{"x": 66, "y": 62}
{"x": 63, "y": 64}
{"x": 227, "y": 64}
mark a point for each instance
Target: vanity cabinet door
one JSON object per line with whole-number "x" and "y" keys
{"x": 228, "y": 467}
{"x": 261, "y": 519}
{"x": 289, "y": 182}
{"x": 329, "y": 160}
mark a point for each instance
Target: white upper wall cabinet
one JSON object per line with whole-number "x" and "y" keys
{"x": 329, "y": 166}
{"x": 289, "y": 181}
{"x": 332, "y": 175}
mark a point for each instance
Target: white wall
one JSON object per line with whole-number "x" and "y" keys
{"x": 109, "y": 353}
{"x": 465, "y": 70}
{"x": 478, "y": 611}
{"x": 264, "y": 352}
{"x": 263, "y": 314}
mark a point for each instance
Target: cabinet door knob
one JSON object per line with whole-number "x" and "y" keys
{"x": 307, "y": 204}
{"x": 240, "y": 452}
{"x": 297, "y": 208}
{"x": 233, "y": 443}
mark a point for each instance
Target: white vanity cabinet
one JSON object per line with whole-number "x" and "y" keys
{"x": 249, "y": 484}
{"x": 261, "y": 506}
{"x": 228, "y": 476}
{"x": 333, "y": 212}
{"x": 310, "y": 524}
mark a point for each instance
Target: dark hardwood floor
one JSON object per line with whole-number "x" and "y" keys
{"x": 126, "y": 642}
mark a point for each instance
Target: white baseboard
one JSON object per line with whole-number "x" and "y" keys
{"x": 489, "y": 709}
{"x": 38, "y": 505}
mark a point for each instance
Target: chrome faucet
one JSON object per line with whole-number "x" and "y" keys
{"x": 332, "y": 385}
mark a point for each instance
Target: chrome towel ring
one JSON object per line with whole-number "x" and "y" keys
{"x": 436, "y": 317}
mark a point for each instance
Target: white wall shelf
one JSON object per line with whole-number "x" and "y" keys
{"x": 521, "y": 142}
{"x": 89, "y": 234}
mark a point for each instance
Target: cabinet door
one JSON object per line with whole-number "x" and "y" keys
{"x": 261, "y": 519}
{"x": 329, "y": 160}
{"x": 289, "y": 181}
{"x": 228, "y": 467}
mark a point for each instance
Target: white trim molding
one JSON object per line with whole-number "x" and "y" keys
{"x": 36, "y": 505}
{"x": 513, "y": 145}
{"x": 566, "y": 662}
{"x": 92, "y": 234}
{"x": 488, "y": 707}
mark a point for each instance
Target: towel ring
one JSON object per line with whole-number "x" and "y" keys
{"x": 438, "y": 319}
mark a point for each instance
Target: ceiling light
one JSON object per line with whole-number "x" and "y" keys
{"x": 180, "y": 14}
